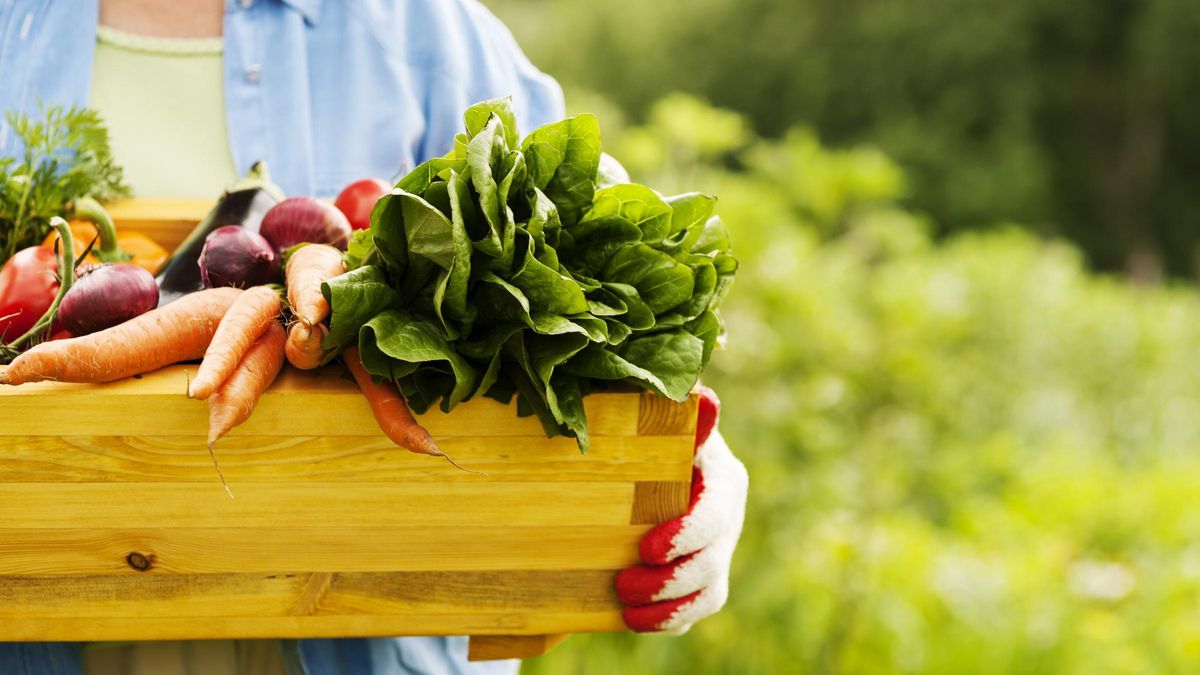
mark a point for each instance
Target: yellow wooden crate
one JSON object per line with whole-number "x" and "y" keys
{"x": 114, "y": 525}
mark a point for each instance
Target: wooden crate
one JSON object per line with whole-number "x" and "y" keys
{"x": 114, "y": 526}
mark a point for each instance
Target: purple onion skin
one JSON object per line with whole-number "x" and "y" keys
{"x": 300, "y": 220}
{"x": 105, "y": 296}
{"x": 235, "y": 256}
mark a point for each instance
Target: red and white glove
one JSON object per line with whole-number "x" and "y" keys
{"x": 686, "y": 572}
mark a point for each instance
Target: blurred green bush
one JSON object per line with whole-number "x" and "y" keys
{"x": 1073, "y": 117}
{"x": 974, "y": 457}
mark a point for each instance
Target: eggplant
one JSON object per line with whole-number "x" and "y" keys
{"x": 244, "y": 203}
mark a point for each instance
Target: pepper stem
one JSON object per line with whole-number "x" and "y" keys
{"x": 90, "y": 210}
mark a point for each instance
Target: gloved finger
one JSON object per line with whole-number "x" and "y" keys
{"x": 658, "y": 547}
{"x": 706, "y": 414}
{"x": 719, "y": 484}
{"x": 645, "y": 584}
{"x": 679, "y": 614}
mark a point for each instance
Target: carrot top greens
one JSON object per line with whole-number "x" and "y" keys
{"x": 63, "y": 155}
{"x": 514, "y": 267}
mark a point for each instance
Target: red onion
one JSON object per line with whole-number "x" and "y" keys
{"x": 300, "y": 220}
{"x": 235, "y": 256}
{"x": 105, "y": 296}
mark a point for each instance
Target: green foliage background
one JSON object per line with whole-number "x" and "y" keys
{"x": 1073, "y": 117}
{"x": 972, "y": 456}
{"x": 968, "y": 451}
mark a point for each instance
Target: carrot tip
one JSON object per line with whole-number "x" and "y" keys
{"x": 212, "y": 453}
{"x": 459, "y": 466}
{"x": 420, "y": 441}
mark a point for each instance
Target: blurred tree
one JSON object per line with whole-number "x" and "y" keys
{"x": 1075, "y": 117}
{"x": 973, "y": 456}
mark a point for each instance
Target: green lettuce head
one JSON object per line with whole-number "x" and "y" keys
{"x": 505, "y": 269}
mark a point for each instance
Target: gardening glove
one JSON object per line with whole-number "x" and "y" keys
{"x": 686, "y": 572}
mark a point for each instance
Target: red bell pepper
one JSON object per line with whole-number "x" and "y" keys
{"x": 28, "y": 284}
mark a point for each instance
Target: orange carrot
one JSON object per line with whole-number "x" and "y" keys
{"x": 247, "y": 320}
{"x": 176, "y": 332}
{"x": 390, "y": 410}
{"x": 233, "y": 401}
{"x": 303, "y": 347}
{"x": 306, "y": 270}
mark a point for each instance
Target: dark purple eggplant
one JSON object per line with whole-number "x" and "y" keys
{"x": 245, "y": 204}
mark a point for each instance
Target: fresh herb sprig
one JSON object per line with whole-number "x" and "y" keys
{"x": 65, "y": 154}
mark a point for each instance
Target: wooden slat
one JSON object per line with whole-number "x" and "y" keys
{"x": 166, "y": 221}
{"x": 657, "y": 501}
{"x": 99, "y": 551}
{"x": 298, "y": 404}
{"x": 659, "y": 416}
{"x": 367, "y": 459}
{"x": 279, "y": 595}
{"x": 168, "y": 627}
{"x": 312, "y": 592}
{"x": 287, "y": 505}
{"x": 491, "y": 647}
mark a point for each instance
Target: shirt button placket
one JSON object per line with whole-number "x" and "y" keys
{"x": 253, "y": 73}
{"x": 244, "y": 70}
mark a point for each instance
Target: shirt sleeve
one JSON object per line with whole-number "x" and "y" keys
{"x": 482, "y": 61}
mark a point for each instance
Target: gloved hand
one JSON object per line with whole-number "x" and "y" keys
{"x": 686, "y": 572}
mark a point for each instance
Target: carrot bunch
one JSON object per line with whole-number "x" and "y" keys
{"x": 308, "y": 268}
{"x": 241, "y": 362}
{"x": 236, "y": 332}
{"x": 180, "y": 331}
{"x": 242, "y": 343}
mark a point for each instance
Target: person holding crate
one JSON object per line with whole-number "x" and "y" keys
{"x": 224, "y": 83}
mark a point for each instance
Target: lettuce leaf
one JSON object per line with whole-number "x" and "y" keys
{"x": 506, "y": 268}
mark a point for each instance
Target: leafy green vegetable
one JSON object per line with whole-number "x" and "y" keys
{"x": 506, "y": 269}
{"x": 65, "y": 155}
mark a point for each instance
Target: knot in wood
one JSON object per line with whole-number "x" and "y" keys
{"x": 139, "y": 561}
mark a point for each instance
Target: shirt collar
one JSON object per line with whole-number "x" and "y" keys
{"x": 309, "y": 9}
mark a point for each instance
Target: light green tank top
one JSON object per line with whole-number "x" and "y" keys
{"x": 163, "y": 101}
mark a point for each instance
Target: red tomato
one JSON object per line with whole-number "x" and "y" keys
{"x": 28, "y": 284}
{"x": 358, "y": 198}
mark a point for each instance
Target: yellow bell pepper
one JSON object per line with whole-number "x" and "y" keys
{"x": 92, "y": 221}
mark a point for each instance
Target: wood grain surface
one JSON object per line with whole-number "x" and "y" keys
{"x": 113, "y": 525}
{"x": 166, "y": 221}
{"x": 489, "y": 647}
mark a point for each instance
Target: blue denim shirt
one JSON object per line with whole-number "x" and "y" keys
{"x": 326, "y": 91}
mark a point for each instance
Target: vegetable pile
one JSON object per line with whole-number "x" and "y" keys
{"x": 507, "y": 268}
{"x": 511, "y": 268}
{"x": 66, "y": 155}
